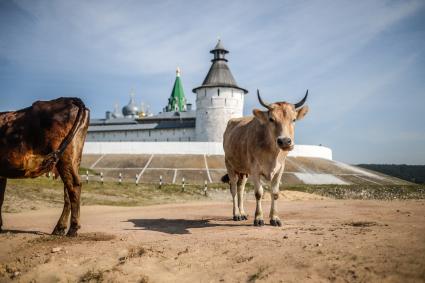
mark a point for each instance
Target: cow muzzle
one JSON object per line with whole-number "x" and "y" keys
{"x": 285, "y": 143}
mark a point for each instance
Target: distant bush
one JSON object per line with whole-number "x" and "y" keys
{"x": 376, "y": 192}
{"x": 411, "y": 173}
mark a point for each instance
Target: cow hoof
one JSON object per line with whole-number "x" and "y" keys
{"x": 72, "y": 232}
{"x": 276, "y": 222}
{"x": 59, "y": 231}
{"x": 258, "y": 222}
{"x": 244, "y": 217}
{"x": 237, "y": 218}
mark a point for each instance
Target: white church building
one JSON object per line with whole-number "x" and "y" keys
{"x": 179, "y": 129}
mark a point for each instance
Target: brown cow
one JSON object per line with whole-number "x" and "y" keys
{"x": 258, "y": 146}
{"x": 36, "y": 139}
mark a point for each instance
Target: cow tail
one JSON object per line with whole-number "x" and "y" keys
{"x": 77, "y": 123}
{"x": 225, "y": 178}
{"x": 53, "y": 157}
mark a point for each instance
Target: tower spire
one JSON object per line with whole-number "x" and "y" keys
{"x": 177, "y": 100}
{"x": 219, "y": 52}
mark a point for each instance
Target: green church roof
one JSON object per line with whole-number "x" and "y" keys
{"x": 177, "y": 100}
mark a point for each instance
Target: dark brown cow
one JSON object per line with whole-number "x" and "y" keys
{"x": 258, "y": 146}
{"x": 36, "y": 139}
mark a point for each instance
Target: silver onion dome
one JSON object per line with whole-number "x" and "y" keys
{"x": 131, "y": 108}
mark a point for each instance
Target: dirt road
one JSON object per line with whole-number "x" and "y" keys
{"x": 321, "y": 241}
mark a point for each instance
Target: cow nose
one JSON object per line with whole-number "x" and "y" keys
{"x": 284, "y": 141}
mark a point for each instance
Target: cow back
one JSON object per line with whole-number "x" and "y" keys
{"x": 28, "y": 135}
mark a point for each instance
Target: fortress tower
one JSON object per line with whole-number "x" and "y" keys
{"x": 218, "y": 99}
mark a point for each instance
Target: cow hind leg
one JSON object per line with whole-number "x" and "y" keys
{"x": 241, "y": 191}
{"x": 62, "y": 224}
{"x": 233, "y": 180}
{"x": 72, "y": 184}
{"x": 2, "y": 191}
{"x": 74, "y": 197}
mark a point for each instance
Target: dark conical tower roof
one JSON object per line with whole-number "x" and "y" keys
{"x": 219, "y": 74}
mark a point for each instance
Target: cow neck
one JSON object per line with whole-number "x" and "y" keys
{"x": 265, "y": 140}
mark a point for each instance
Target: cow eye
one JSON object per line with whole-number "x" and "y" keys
{"x": 293, "y": 121}
{"x": 271, "y": 119}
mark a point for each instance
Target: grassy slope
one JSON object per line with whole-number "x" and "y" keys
{"x": 27, "y": 194}
{"x": 34, "y": 193}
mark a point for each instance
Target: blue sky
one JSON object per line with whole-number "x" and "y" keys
{"x": 363, "y": 61}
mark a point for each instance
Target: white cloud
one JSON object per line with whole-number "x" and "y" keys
{"x": 275, "y": 46}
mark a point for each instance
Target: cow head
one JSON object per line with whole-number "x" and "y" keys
{"x": 279, "y": 120}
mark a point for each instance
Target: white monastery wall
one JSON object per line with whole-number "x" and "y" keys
{"x": 185, "y": 134}
{"x": 214, "y": 108}
{"x": 209, "y": 148}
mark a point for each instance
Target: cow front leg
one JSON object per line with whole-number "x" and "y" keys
{"x": 2, "y": 191}
{"x": 274, "y": 218}
{"x": 241, "y": 192}
{"x": 258, "y": 221}
{"x": 62, "y": 224}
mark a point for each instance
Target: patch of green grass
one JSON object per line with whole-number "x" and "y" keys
{"x": 83, "y": 171}
{"x": 260, "y": 274}
{"x": 92, "y": 276}
{"x": 133, "y": 252}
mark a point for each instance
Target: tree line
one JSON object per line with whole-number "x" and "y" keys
{"x": 411, "y": 173}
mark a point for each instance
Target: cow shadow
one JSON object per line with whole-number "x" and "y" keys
{"x": 180, "y": 226}
{"x": 12, "y": 231}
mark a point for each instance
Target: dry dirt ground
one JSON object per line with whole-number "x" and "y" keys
{"x": 322, "y": 240}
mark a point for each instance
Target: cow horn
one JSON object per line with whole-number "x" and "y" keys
{"x": 301, "y": 103}
{"x": 261, "y": 101}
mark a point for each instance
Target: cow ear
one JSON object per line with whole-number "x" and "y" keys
{"x": 302, "y": 112}
{"x": 260, "y": 115}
